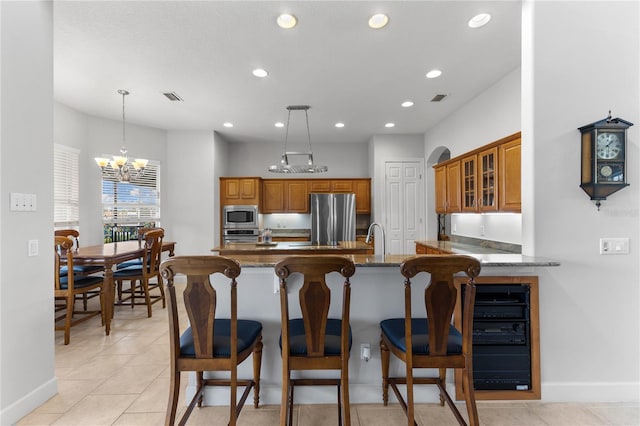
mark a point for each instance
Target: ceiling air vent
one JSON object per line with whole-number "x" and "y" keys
{"x": 172, "y": 96}
{"x": 438, "y": 98}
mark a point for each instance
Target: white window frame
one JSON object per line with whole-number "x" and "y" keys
{"x": 66, "y": 186}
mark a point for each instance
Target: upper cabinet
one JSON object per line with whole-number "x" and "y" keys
{"x": 239, "y": 190}
{"x": 448, "y": 190}
{"x": 510, "y": 176}
{"x": 359, "y": 186}
{"x": 284, "y": 196}
{"x": 484, "y": 180}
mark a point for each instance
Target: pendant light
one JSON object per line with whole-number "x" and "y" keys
{"x": 121, "y": 168}
{"x": 284, "y": 166}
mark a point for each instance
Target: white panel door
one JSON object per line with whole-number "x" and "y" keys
{"x": 404, "y": 205}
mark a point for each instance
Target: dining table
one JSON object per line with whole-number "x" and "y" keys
{"x": 107, "y": 256}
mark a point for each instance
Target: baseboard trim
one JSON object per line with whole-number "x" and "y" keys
{"x": 590, "y": 391}
{"x": 23, "y": 406}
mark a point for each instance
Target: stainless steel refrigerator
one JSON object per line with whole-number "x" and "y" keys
{"x": 333, "y": 218}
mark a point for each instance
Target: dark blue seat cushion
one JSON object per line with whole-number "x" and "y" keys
{"x": 129, "y": 263}
{"x": 80, "y": 269}
{"x": 131, "y": 271}
{"x": 79, "y": 282}
{"x": 298, "y": 342}
{"x": 394, "y": 330}
{"x": 248, "y": 330}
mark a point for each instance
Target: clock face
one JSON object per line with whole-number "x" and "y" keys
{"x": 608, "y": 146}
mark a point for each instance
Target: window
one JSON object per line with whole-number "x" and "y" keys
{"x": 66, "y": 186}
{"x": 128, "y": 205}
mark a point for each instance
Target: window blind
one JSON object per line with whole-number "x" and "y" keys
{"x": 134, "y": 202}
{"x": 66, "y": 186}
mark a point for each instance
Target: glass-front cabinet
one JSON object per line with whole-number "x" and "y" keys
{"x": 488, "y": 183}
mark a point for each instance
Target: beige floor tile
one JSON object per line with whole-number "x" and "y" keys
{"x": 70, "y": 392}
{"x": 320, "y": 415}
{"x": 129, "y": 379}
{"x": 267, "y": 415}
{"x": 509, "y": 416}
{"x": 99, "y": 367}
{"x": 435, "y": 414}
{"x": 140, "y": 419}
{"x": 39, "y": 419}
{"x": 379, "y": 415}
{"x": 617, "y": 414}
{"x": 154, "y": 398}
{"x": 565, "y": 414}
{"x": 96, "y": 410}
{"x": 207, "y": 416}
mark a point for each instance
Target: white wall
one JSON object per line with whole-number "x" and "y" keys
{"x": 191, "y": 191}
{"x": 254, "y": 159}
{"x": 492, "y": 115}
{"x": 590, "y": 305}
{"x": 26, "y": 148}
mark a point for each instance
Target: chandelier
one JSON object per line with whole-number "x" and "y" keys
{"x": 121, "y": 168}
{"x": 284, "y": 166}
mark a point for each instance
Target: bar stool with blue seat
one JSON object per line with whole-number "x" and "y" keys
{"x": 430, "y": 341}
{"x": 315, "y": 341}
{"x": 209, "y": 343}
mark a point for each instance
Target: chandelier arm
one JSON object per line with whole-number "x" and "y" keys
{"x": 306, "y": 114}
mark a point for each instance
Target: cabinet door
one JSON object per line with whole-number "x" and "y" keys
{"x": 469, "y": 183}
{"x": 362, "y": 188}
{"x": 441, "y": 189}
{"x": 453, "y": 187}
{"x": 239, "y": 191}
{"x": 342, "y": 186}
{"x": 318, "y": 185}
{"x": 509, "y": 156}
{"x": 487, "y": 180}
{"x": 273, "y": 196}
{"x": 297, "y": 200}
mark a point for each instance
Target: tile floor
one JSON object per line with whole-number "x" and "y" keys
{"x": 123, "y": 379}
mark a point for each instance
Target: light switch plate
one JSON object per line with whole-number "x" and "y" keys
{"x": 614, "y": 245}
{"x": 33, "y": 247}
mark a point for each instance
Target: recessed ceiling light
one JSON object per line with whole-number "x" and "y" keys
{"x": 279, "y": 124}
{"x": 480, "y": 20}
{"x": 259, "y": 72}
{"x": 389, "y": 125}
{"x": 339, "y": 125}
{"x": 378, "y": 21}
{"x": 286, "y": 21}
{"x": 434, "y": 73}
{"x": 407, "y": 104}
{"x": 227, "y": 124}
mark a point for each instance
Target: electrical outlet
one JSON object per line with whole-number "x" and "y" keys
{"x": 276, "y": 285}
{"x": 482, "y": 230}
{"x": 614, "y": 245}
{"x": 365, "y": 352}
{"x": 33, "y": 247}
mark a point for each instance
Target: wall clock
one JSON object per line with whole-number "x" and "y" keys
{"x": 604, "y": 157}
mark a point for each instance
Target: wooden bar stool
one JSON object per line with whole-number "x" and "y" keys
{"x": 315, "y": 341}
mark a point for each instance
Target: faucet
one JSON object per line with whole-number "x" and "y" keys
{"x": 370, "y": 233}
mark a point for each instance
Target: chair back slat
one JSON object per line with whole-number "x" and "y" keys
{"x": 315, "y": 298}
{"x": 153, "y": 251}
{"x": 200, "y": 302}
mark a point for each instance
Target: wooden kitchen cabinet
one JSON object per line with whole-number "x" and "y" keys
{"x": 285, "y": 196}
{"x": 510, "y": 181}
{"x": 448, "y": 189}
{"x": 479, "y": 183}
{"x": 241, "y": 191}
{"x": 487, "y": 179}
{"x": 360, "y": 187}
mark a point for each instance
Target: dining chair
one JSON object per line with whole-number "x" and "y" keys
{"x": 430, "y": 341}
{"x": 74, "y": 235}
{"x": 209, "y": 343}
{"x": 67, "y": 287}
{"x": 314, "y": 341}
{"x": 143, "y": 273}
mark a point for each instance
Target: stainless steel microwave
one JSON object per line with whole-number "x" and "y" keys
{"x": 240, "y": 217}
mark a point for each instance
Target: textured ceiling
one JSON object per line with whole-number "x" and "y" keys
{"x": 205, "y": 52}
